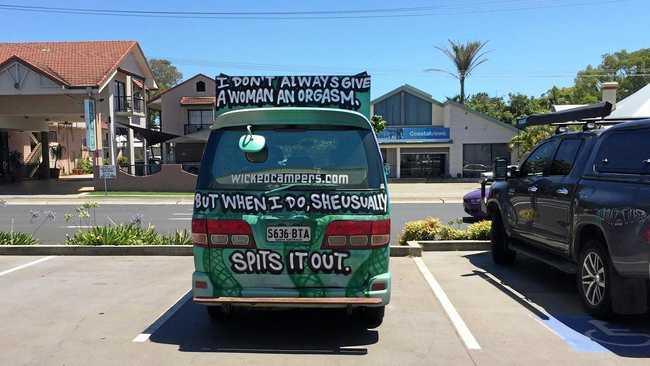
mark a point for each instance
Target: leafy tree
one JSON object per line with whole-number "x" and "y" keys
{"x": 166, "y": 74}
{"x": 378, "y": 123}
{"x": 630, "y": 69}
{"x": 525, "y": 140}
{"x": 466, "y": 57}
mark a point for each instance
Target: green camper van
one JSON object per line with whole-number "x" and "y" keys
{"x": 291, "y": 210}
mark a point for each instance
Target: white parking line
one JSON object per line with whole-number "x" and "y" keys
{"x": 162, "y": 318}
{"x": 26, "y": 265}
{"x": 180, "y": 219}
{"x": 461, "y": 328}
{"x": 182, "y": 214}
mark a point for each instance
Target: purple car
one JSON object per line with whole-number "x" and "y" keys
{"x": 472, "y": 203}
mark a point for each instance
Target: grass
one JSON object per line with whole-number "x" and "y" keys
{"x": 139, "y": 194}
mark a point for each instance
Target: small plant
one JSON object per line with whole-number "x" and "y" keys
{"x": 431, "y": 229}
{"x": 16, "y": 238}
{"x": 420, "y": 230}
{"x": 123, "y": 161}
{"x": 479, "y": 230}
{"x": 179, "y": 237}
{"x": 86, "y": 166}
{"x": 378, "y": 123}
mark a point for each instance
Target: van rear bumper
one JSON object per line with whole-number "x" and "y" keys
{"x": 289, "y": 301}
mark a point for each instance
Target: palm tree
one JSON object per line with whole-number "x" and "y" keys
{"x": 466, "y": 57}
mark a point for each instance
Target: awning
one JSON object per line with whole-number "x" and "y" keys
{"x": 152, "y": 137}
{"x": 200, "y": 136}
{"x": 197, "y": 100}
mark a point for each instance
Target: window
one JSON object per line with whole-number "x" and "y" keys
{"x": 624, "y": 152}
{"x": 199, "y": 116}
{"x": 478, "y": 158}
{"x": 565, "y": 157}
{"x": 539, "y": 160}
{"x": 297, "y": 151}
{"x": 200, "y": 86}
{"x": 120, "y": 96}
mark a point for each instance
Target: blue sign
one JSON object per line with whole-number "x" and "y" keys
{"x": 89, "y": 116}
{"x": 427, "y": 134}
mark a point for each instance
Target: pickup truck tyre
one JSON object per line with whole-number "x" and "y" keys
{"x": 594, "y": 279}
{"x": 372, "y": 317}
{"x": 501, "y": 254}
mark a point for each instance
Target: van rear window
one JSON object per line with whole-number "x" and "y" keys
{"x": 343, "y": 158}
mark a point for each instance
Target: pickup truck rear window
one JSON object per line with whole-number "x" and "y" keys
{"x": 625, "y": 152}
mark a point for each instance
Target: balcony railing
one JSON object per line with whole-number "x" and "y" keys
{"x": 128, "y": 104}
{"x": 193, "y": 127}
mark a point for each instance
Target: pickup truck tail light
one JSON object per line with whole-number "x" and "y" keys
{"x": 352, "y": 234}
{"x": 222, "y": 233}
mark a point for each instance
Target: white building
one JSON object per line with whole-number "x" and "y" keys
{"x": 425, "y": 138}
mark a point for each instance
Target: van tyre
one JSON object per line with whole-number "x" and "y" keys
{"x": 594, "y": 279}
{"x": 501, "y": 254}
{"x": 372, "y": 317}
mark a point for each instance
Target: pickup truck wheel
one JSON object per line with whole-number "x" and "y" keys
{"x": 501, "y": 254}
{"x": 372, "y": 317}
{"x": 594, "y": 279}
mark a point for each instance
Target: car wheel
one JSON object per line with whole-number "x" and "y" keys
{"x": 594, "y": 279}
{"x": 501, "y": 254}
{"x": 372, "y": 317}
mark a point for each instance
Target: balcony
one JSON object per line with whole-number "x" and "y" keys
{"x": 193, "y": 127}
{"x": 125, "y": 105}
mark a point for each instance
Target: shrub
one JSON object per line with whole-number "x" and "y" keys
{"x": 17, "y": 238}
{"x": 431, "y": 229}
{"x": 180, "y": 237}
{"x": 479, "y": 230}
{"x": 86, "y": 166}
{"x": 420, "y": 230}
{"x": 123, "y": 161}
{"x": 127, "y": 234}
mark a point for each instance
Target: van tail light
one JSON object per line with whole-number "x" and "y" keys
{"x": 349, "y": 234}
{"x": 200, "y": 232}
{"x": 230, "y": 234}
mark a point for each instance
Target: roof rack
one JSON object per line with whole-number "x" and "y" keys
{"x": 574, "y": 116}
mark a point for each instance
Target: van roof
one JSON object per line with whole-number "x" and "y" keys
{"x": 291, "y": 116}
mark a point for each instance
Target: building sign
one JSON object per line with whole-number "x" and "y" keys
{"x": 426, "y": 134}
{"x": 107, "y": 172}
{"x": 89, "y": 116}
{"x": 350, "y": 92}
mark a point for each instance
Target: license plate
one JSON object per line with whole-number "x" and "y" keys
{"x": 288, "y": 233}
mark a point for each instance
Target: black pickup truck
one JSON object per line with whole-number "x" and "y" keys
{"x": 580, "y": 201}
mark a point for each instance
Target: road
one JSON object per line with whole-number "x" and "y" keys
{"x": 168, "y": 218}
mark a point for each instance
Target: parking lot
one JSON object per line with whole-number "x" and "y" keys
{"x": 447, "y": 308}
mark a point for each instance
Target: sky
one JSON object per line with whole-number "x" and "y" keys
{"x": 533, "y": 44}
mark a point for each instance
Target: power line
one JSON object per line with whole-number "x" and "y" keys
{"x": 304, "y": 15}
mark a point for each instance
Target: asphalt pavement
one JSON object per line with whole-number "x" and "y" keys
{"x": 166, "y": 217}
{"x": 447, "y": 308}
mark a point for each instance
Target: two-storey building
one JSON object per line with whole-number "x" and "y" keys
{"x": 187, "y": 109}
{"x": 52, "y": 93}
{"x": 425, "y": 138}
